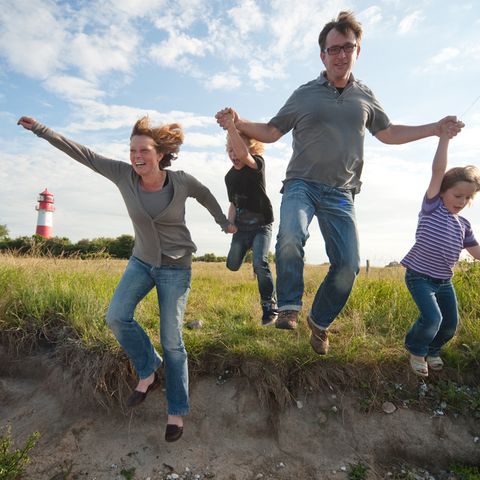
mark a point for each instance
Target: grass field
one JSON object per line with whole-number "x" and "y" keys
{"x": 60, "y": 304}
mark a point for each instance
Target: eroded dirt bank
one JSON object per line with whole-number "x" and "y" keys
{"x": 227, "y": 436}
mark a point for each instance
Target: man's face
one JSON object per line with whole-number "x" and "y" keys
{"x": 339, "y": 66}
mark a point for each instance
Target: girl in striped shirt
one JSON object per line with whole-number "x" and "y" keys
{"x": 440, "y": 237}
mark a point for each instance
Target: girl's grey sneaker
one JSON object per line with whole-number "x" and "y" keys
{"x": 269, "y": 316}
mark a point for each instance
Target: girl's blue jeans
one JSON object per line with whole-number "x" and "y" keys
{"x": 259, "y": 241}
{"x": 173, "y": 286}
{"x": 438, "y": 319}
{"x": 335, "y": 213}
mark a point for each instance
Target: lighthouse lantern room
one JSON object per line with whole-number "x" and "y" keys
{"x": 45, "y": 210}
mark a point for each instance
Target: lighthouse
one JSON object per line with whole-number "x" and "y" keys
{"x": 45, "y": 210}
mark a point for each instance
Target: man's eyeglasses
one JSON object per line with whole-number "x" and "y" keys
{"x": 335, "y": 50}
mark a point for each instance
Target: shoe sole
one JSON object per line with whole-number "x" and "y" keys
{"x": 285, "y": 326}
{"x": 269, "y": 323}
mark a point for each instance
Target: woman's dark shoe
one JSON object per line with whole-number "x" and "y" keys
{"x": 137, "y": 397}
{"x": 173, "y": 433}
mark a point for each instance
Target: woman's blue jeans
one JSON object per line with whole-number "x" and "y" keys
{"x": 259, "y": 241}
{"x": 335, "y": 212}
{"x": 437, "y": 323}
{"x": 173, "y": 286}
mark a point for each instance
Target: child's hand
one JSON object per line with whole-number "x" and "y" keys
{"x": 448, "y": 127}
{"x": 226, "y": 118}
{"x": 231, "y": 228}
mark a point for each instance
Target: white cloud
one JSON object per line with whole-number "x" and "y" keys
{"x": 91, "y": 115}
{"x": 182, "y": 14}
{"x": 264, "y": 36}
{"x": 45, "y": 38}
{"x": 174, "y": 51}
{"x": 138, "y": 7}
{"x": 410, "y": 21}
{"x": 371, "y": 16}
{"x": 202, "y": 140}
{"x": 113, "y": 50}
{"x": 444, "y": 55}
{"x": 247, "y": 17}
{"x": 454, "y": 59}
{"x": 259, "y": 71}
{"x": 71, "y": 88}
{"x": 32, "y": 37}
{"x": 223, "y": 81}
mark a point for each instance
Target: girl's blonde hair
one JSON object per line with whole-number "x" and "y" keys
{"x": 470, "y": 174}
{"x": 167, "y": 138}
{"x": 254, "y": 146}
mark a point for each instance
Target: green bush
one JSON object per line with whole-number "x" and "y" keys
{"x": 13, "y": 460}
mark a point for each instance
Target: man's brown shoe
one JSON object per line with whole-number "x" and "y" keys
{"x": 287, "y": 319}
{"x": 318, "y": 338}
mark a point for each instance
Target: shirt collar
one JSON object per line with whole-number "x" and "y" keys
{"x": 322, "y": 78}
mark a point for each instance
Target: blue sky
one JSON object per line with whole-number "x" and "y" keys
{"x": 90, "y": 69}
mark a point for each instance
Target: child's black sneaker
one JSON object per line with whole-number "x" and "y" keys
{"x": 270, "y": 314}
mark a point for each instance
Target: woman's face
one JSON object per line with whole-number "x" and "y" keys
{"x": 143, "y": 155}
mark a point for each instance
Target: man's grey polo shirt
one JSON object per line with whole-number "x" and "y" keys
{"x": 328, "y": 131}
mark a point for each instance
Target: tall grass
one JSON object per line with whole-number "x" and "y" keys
{"x": 62, "y": 304}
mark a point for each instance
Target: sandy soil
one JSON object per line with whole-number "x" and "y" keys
{"x": 227, "y": 436}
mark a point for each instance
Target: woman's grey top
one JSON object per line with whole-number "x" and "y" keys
{"x": 163, "y": 234}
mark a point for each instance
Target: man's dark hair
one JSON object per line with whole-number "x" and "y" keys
{"x": 345, "y": 21}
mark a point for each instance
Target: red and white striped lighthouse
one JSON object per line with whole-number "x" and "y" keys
{"x": 45, "y": 210}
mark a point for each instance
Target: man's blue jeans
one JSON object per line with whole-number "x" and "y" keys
{"x": 259, "y": 241}
{"x": 335, "y": 212}
{"x": 438, "y": 318}
{"x": 173, "y": 286}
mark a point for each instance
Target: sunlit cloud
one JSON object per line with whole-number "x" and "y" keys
{"x": 371, "y": 16}
{"x": 96, "y": 54}
{"x": 71, "y": 88}
{"x": 91, "y": 115}
{"x": 444, "y": 55}
{"x": 455, "y": 58}
{"x": 247, "y": 17}
{"x": 203, "y": 140}
{"x": 223, "y": 81}
{"x": 175, "y": 51}
{"x": 260, "y": 72}
{"x": 32, "y": 43}
{"x": 410, "y": 21}
{"x": 138, "y": 7}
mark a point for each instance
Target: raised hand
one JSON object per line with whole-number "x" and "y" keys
{"x": 448, "y": 126}
{"x": 226, "y": 117}
{"x": 26, "y": 122}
